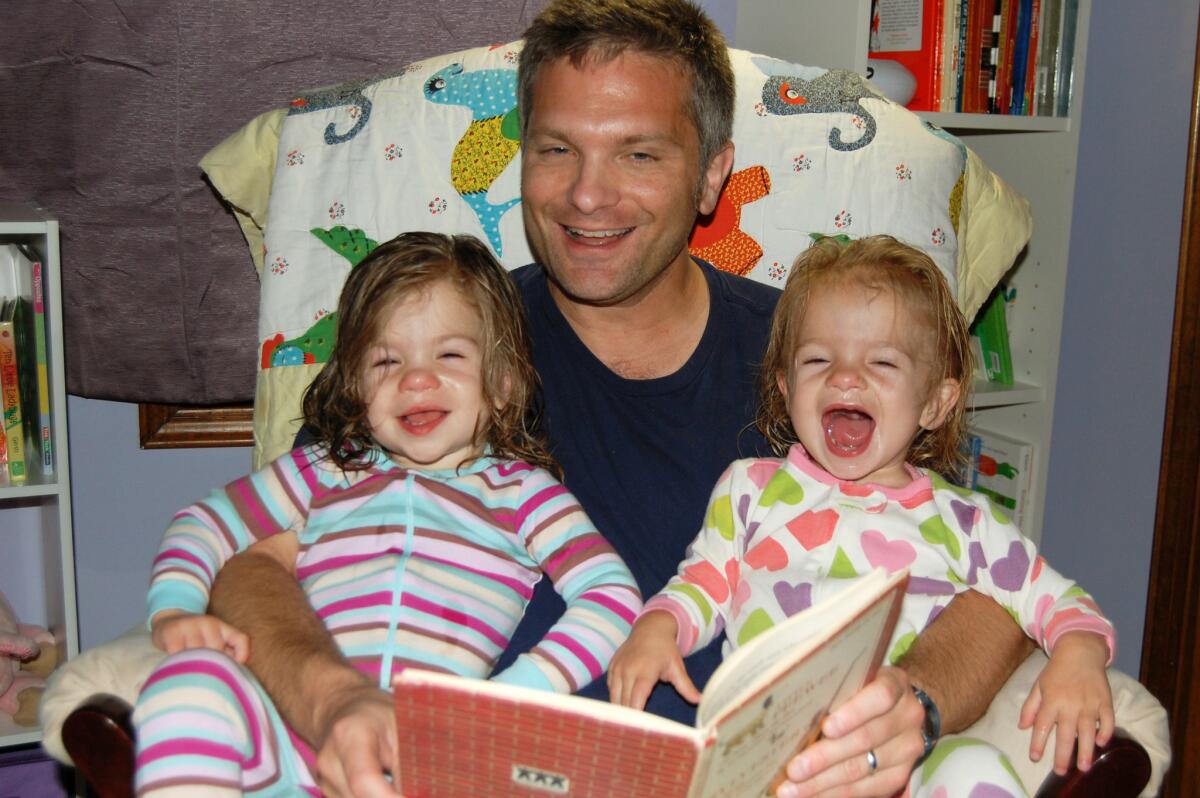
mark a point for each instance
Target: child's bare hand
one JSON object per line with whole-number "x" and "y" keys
{"x": 177, "y": 630}
{"x": 1071, "y": 693}
{"x": 646, "y": 658}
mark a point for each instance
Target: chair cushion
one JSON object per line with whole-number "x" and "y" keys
{"x": 1138, "y": 713}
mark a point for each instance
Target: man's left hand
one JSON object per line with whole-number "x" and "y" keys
{"x": 883, "y": 718}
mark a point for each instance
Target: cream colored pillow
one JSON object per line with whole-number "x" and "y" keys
{"x": 1138, "y": 713}
{"x": 119, "y": 667}
{"x": 240, "y": 169}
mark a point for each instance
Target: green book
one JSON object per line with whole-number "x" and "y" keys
{"x": 991, "y": 328}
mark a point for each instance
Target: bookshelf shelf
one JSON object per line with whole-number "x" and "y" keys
{"x": 996, "y": 122}
{"x": 37, "y": 568}
{"x": 1036, "y": 155}
{"x": 991, "y": 394}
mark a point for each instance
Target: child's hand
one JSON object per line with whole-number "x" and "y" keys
{"x": 177, "y": 630}
{"x": 646, "y": 658}
{"x": 1071, "y": 693}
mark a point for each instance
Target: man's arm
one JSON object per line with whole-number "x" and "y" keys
{"x": 965, "y": 656}
{"x": 961, "y": 661}
{"x": 336, "y": 709}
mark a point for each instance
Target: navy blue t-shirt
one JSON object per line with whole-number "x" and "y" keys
{"x": 642, "y": 456}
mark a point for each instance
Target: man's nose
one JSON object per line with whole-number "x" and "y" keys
{"x": 595, "y": 185}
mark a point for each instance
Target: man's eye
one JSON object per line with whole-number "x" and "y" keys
{"x": 641, "y": 156}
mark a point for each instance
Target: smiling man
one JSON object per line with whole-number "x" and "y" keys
{"x": 649, "y": 362}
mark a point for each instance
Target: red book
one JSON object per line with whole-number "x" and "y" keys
{"x": 911, "y": 33}
{"x": 465, "y": 738}
{"x": 976, "y": 66}
{"x": 1035, "y": 33}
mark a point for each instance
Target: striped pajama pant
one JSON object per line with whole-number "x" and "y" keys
{"x": 206, "y": 727}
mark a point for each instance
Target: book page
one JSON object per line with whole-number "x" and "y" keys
{"x": 767, "y": 700}
{"x": 758, "y": 661}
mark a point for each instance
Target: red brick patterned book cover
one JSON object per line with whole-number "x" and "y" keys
{"x": 466, "y": 738}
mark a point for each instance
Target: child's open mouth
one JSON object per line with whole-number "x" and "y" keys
{"x": 847, "y": 432}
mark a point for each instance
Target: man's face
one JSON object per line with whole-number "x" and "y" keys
{"x": 610, "y": 178}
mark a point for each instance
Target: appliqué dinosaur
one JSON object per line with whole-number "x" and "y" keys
{"x": 349, "y": 94}
{"x": 720, "y": 239}
{"x": 835, "y": 91}
{"x": 490, "y": 142}
{"x": 315, "y": 344}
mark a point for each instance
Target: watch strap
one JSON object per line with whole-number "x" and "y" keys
{"x": 931, "y": 730}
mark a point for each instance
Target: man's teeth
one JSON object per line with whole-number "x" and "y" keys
{"x": 597, "y": 233}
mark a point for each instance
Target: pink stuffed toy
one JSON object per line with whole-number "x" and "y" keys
{"x": 21, "y": 661}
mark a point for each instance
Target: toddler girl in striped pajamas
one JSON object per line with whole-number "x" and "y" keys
{"x": 864, "y": 390}
{"x": 421, "y": 520}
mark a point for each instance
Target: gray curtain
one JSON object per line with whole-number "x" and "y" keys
{"x": 105, "y": 110}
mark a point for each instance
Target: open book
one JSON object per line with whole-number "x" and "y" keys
{"x": 468, "y": 737}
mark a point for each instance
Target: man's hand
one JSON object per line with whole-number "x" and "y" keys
{"x": 176, "y": 630}
{"x": 884, "y": 718}
{"x": 646, "y": 658}
{"x": 1072, "y": 694}
{"x": 358, "y": 746}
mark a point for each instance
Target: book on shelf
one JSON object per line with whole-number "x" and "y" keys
{"x": 22, "y": 325}
{"x": 1021, "y": 54}
{"x": 469, "y": 737}
{"x": 1065, "y": 68}
{"x": 991, "y": 330}
{"x": 1005, "y": 41}
{"x": 11, "y": 376}
{"x": 912, "y": 33}
{"x": 1001, "y": 468}
{"x": 44, "y": 436}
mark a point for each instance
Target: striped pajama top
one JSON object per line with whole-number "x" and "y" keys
{"x": 424, "y": 568}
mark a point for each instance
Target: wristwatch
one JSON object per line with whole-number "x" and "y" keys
{"x": 931, "y": 731}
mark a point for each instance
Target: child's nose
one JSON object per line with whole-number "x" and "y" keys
{"x": 418, "y": 378}
{"x": 845, "y": 376}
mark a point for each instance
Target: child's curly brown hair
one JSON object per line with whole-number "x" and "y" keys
{"x": 334, "y": 407}
{"x": 881, "y": 263}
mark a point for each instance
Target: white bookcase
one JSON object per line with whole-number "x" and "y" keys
{"x": 1035, "y": 155}
{"x": 37, "y": 561}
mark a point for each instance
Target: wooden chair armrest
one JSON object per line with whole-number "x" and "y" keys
{"x": 1120, "y": 769}
{"x": 99, "y": 737}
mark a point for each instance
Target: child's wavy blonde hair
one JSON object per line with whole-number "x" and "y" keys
{"x": 884, "y": 264}
{"x": 334, "y": 406}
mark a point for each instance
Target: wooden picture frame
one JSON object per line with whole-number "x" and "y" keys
{"x": 189, "y": 426}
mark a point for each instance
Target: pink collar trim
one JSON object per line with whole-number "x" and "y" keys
{"x": 920, "y": 483}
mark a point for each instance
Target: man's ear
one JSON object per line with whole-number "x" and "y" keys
{"x": 714, "y": 178}
{"x": 940, "y": 403}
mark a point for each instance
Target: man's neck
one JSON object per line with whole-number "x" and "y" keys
{"x": 650, "y": 336}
